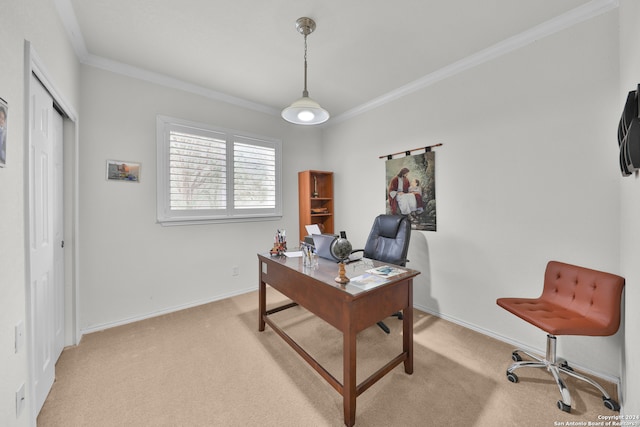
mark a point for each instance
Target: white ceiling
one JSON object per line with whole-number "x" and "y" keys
{"x": 362, "y": 51}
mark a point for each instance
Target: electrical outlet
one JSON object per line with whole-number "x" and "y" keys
{"x": 235, "y": 270}
{"x": 20, "y": 400}
{"x": 19, "y": 340}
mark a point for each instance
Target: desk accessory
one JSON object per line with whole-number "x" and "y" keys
{"x": 309, "y": 256}
{"x": 341, "y": 249}
{"x": 280, "y": 243}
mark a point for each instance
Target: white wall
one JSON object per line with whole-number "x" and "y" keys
{"x": 131, "y": 267}
{"x": 36, "y": 21}
{"x": 528, "y": 173}
{"x": 630, "y": 197}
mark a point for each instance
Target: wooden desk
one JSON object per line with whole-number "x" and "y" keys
{"x": 349, "y": 308}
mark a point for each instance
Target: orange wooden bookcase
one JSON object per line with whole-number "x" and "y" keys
{"x": 315, "y": 200}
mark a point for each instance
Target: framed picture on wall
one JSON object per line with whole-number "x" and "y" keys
{"x": 4, "y": 112}
{"x": 123, "y": 171}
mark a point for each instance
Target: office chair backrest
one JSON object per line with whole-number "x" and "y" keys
{"x": 389, "y": 239}
{"x": 593, "y": 295}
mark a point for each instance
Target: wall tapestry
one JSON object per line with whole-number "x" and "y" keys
{"x": 411, "y": 189}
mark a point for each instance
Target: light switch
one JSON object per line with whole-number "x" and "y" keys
{"x": 20, "y": 400}
{"x": 19, "y": 340}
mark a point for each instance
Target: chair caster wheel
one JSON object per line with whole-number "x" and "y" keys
{"x": 563, "y": 406}
{"x": 516, "y": 357}
{"x": 565, "y": 365}
{"x": 384, "y": 327}
{"x": 512, "y": 377}
{"x": 611, "y": 404}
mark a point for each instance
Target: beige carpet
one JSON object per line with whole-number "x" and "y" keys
{"x": 209, "y": 366}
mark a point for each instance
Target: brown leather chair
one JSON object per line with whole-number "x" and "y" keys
{"x": 575, "y": 301}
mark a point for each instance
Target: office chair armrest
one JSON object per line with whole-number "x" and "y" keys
{"x": 352, "y": 258}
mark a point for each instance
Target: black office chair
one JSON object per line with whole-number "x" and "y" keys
{"x": 389, "y": 242}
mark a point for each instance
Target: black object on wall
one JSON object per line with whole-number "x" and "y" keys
{"x": 629, "y": 135}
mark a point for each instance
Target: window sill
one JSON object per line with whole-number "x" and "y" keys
{"x": 202, "y": 221}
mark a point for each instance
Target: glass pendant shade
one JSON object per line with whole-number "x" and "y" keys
{"x": 305, "y": 111}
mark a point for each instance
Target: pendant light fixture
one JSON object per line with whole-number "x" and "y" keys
{"x": 305, "y": 111}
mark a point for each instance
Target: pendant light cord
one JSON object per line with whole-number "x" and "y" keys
{"x": 305, "y": 93}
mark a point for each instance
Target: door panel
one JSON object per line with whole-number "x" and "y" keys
{"x": 43, "y": 194}
{"x": 58, "y": 235}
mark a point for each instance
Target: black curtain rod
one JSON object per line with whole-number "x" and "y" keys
{"x": 408, "y": 152}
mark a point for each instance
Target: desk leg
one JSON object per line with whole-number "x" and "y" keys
{"x": 407, "y": 330}
{"x": 349, "y": 374}
{"x": 262, "y": 300}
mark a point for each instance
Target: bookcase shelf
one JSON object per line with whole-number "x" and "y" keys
{"x": 315, "y": 200}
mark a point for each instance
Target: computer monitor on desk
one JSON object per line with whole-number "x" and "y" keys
{"x": 322, "y": 243}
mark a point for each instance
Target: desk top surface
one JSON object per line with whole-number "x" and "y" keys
{"x": 364, "y": 274}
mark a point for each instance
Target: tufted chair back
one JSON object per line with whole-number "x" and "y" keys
{"x": 575, "y": 301}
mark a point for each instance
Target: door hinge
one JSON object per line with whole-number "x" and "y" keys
{"x": 62, "y": 244}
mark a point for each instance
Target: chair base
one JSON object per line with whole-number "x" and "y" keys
{"x": 384, "y": 327}
{"x": 555, "y": 366}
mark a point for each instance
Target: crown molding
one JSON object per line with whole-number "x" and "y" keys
{"x": 70, "y": 23}
{"x": 552, "y": 26}
{"x": 171, "y": 82}
{"x": 566, "y": 20}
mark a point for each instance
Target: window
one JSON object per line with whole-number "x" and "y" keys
{"x": 207, "y": 174}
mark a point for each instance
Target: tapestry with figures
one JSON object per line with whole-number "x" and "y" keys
{"x": 411, "y": 189}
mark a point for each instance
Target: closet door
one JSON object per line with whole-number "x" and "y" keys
{"x": 45, "y": 198}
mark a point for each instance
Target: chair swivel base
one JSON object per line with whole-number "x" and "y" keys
{"x": 555, "y": 366}
{"x": 384, "y": 327}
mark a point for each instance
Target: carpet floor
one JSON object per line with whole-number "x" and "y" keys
{"x": 209, "y": 366}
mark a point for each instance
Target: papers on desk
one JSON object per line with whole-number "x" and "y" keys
{"x": 312, "y": 229}
{"x": 367, "y": 281}
{"x": 293, "y": 254}
{"x": 385, "y": 271}
{"x": 375, "y": 277}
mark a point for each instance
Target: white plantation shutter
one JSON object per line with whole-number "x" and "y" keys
{"x": 208, "y": 174}
{"x": 197, "y": 172}
{"x": 254, "y": 175}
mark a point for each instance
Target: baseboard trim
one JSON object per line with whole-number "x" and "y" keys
{"x": 516, "y": 344}
{"x": 168, "y": 310}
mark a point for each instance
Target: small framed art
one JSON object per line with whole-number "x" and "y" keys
{"x": 4, "y": 112}
{"x": 123, "y": 171}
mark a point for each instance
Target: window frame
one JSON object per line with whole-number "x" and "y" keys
{"x": 168, "y": 217}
